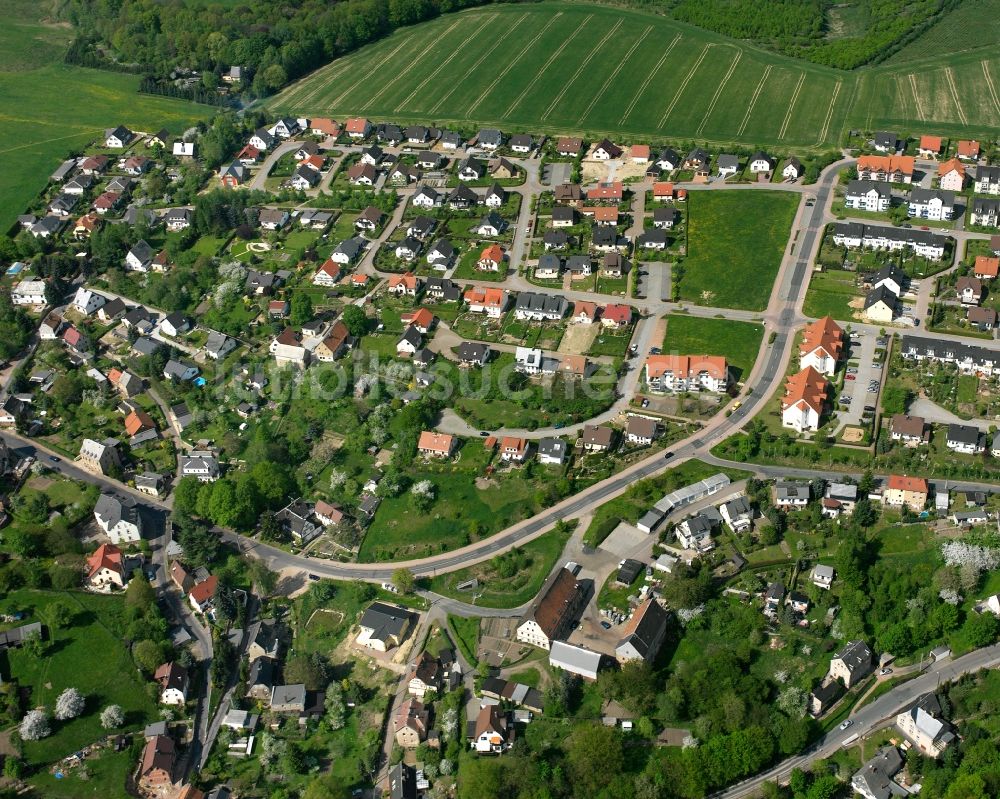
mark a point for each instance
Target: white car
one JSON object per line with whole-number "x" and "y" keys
{"x": 845, "y": 724}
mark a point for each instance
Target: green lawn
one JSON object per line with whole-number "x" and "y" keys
{"x": 968, "y": 388}
{"x": 535, "y": 561}
{"x": 739, "y": 342}
{"x": 82, "y": 655}
{"x": 466, "y": 634}
{"x": 735, "y": 244}
{"x": 461, "y": 511}
{"x": 830, "y": 293}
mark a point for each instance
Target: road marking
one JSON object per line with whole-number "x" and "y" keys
{"x": 954, "y": 94}
{"x": 613, "y": 75}
{"x": 548, "y": 62}
{"x": 513, "y": 62}
{"x": 489, "y": 18}
{"x": 583, "y": 65}
{"x": 916, "y": 97}
{"x": 649, "y": 79}
{"x": 684, "y": 83}
{"x": 791, "y": 106}
{"x": 829, "y": 113}
{"x": 486, "y": 54}
{"x": 989, "y": 84}
{"x": 718, "y": 91}
{"x": 753, "y": 100}
{"x": 374, "y": 98}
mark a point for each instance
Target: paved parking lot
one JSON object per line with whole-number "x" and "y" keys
{"x": 863, "y": 351}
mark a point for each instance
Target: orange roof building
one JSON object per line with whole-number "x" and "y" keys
{"x": 678, "y": 373}
{"x": 607, "y": 191}
{"x": 437, "y": 445}
{"x": 986, "y": 267}
{"x": 325, "y": 127}
{"x": 822, "y": 346}
{"x": 422, "y": 319}
{"x": 951, "y": 175}
{"x": 138, "y": 421}
{"x": 806, "y": 394}
{"x": 513, "y": 449}
{"x": 968, "y": 149}
{"x": 901, "y": 490}
{"x": 491, "y": 301}
{"x": 887, "y": 168}
{"x": 929, "y": 145}
{"x": 491, "y": 258}
{"x": 105, "y": 567}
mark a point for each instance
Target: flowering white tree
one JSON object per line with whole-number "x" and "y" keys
{"x": 449, "y": 723}
{"x": 781, "y": 677}
{"x": 689, "y": 742}
{"x": 792, "y": 701}
{"x": 686, "y": 614}
{"x": 70, "y": 704}
{"x": 424, "y": 488}
{"x": 950, "y": 595}
{"x": 337, "y": 478}
{"x": 34, "y": 726}
{"x": 959, "y": 553}
{"x": 112, "y": 717}
{"x": 445, "y": 767}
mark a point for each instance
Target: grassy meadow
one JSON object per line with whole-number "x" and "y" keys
{"x": 49, "y": 109}
{"x": 735, "y": 244}
{"x": 739, "y": 342}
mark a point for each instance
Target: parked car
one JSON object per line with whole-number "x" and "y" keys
{"x": 845, "y": 724}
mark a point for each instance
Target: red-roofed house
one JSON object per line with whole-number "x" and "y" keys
{"x": 805, "y": 397}
{"x": 951, "y": 175}
{"x": 202, "y": 593}
{"x": 436, "y": 445}
{"x": 138, "y": 421}
{"x": 909, "y": 491}
{"x": 322, "y": 126}
{"x": 822, "y": 345}
{"x": 639, "y": 153}
{"x": 156, "y": 771}
{"x": 514, "y": 449}
{"x": 968, "y": 150}
{"x": 358, "y": 127}
{"x": 929, "y": 147}
{"x": 492, "y": 302}
{"x": 490, "y": 259}
{"x": 584, "y": 312}
{"x": 248, "y": 156}
{"x": 607, "y": 192}
{"x": 328, "y": 274}
{"x": 404, "y": 285}
{"x": 105, "y": 567}
{"x": 616, "y": 315}
{"x": 986, "y": 268}
{"x": 421, "y": 319}
{"x": 687, "y": 373}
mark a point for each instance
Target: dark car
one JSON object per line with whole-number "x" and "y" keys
{"x": 54, "y": 459}
{"x": 667, "y": 455}
{"x": 483, "y": 433}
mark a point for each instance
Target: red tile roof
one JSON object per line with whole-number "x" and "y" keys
{"x": 808, "y": 388}
{"x": 823, "y": 334}
{"x": 904, "y": 483}
{"x": 683, "y": 366}
{"x": 106, "y": 556}
{"x": 986, "y": 266}
{"x": 886, "y": 163}
{"x": 204, "y": 590}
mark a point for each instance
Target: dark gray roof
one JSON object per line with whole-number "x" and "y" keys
{"x": 856, "y": 188}
{"x": 880, "y": 294}
{"x": 469, "y": 351}
{"x": 385, "y": 620}
{"x": 552, "y": 447}
{"x": 540, "y": 303}
{"x": 919, "y": 195}
{"x": 964, "y": 434}
{"x": 145, "y": 346}
{"x": 648, "y": 630}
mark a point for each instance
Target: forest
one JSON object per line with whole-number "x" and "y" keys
{"x": 275, "y": 44}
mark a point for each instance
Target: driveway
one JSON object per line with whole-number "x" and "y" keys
{"x": 863, "y": 351}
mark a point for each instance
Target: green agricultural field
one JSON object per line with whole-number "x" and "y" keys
{"x": 562, "y": 66}
{"x": 50, "y": 109}
{"x": 573, "y": 67}
{"x": 739, "y": 342}
{"x": 736, "y": 240}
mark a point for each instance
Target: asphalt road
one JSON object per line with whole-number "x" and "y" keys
{"x": 873, "y": 716}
